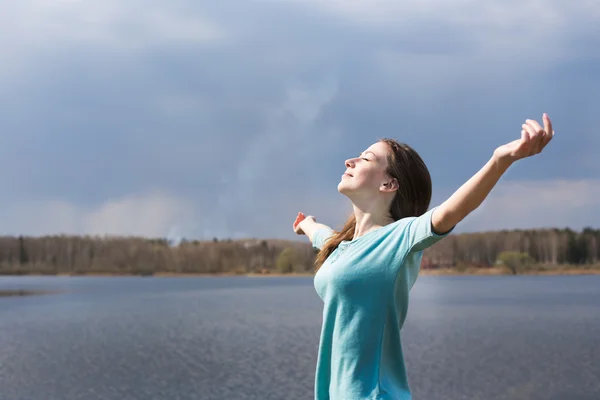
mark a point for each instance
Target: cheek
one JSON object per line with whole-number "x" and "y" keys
{"x": 368, "y": 178}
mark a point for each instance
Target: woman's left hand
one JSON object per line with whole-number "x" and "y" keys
{"x": 533, "y": 140}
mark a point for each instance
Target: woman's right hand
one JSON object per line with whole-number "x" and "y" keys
{"x": 297, "y": 226}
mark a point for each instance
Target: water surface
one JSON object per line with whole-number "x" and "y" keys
{"x": 132, "y": 338}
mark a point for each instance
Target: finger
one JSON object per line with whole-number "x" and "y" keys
{"x": 535, "y": 129}
{"x": 547, "y": 124}
{"x": 299, "y": 219}
{"x": 530, "y": 132}
{"x": 535, "y": 136}
{"x": 533, "y": 123}
{"x": 549, "y": 131}
{"x": 537, "y": 140}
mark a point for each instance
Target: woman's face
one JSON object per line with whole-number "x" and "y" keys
{"x": 366, "y": 175}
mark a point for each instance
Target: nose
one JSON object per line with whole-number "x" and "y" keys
{"x": 350, "y": 163}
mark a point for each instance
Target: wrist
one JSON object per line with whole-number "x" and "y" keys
{"x": 502, "y": 162}
{"x": 305, "y": 221}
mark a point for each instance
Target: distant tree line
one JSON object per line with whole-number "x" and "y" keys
{"x": 543, "y": 246}
{"x": 140, "y": 256}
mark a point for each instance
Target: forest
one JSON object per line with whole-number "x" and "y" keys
{"x": 517, "y": 251}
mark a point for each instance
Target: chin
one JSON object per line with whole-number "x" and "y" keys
{"x": 343, "y": 189}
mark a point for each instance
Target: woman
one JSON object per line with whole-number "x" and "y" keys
{"x": 365, "y": 271}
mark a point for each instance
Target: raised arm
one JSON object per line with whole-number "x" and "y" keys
{"x": 472, "y": 193}
{"x": 304, "y": 225}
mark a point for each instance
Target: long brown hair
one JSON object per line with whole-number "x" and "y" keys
{"x": 411, "y": 200}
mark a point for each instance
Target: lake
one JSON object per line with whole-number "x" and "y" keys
{"x": 471, "y": 337}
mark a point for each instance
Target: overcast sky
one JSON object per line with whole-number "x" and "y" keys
{"x": 225, "y": 118}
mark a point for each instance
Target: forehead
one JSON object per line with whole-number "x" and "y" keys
{"x": 380, "y": 149}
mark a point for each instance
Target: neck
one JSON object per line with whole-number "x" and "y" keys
{"x": 370, "y": 217}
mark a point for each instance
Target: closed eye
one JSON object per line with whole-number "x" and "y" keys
{"x": 366, "y": 159}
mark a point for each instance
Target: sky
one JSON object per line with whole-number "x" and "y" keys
{"x": 204, "y": 119}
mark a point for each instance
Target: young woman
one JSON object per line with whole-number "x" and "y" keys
{"x": 365, "y": 271}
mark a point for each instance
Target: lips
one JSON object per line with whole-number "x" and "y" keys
{"x": 345, "y": 173}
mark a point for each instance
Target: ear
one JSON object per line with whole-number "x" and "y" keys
{"x": 389, "y": 186}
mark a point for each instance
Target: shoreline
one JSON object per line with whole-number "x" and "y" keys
{"x": 23, "y": 292}
{"x": 493, "y": 271}
{"x": 469, "y": 272}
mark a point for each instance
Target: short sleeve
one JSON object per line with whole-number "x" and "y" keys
{"x": 320, "y": 237}
{"x": 419, "y": 232}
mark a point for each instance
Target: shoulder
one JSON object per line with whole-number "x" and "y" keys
{"x": 412, "y": 234}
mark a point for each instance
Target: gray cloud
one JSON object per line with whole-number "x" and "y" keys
{"x": 240, "y": 119}
{"x": 538, "y": 204}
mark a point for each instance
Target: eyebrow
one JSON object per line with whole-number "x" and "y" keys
{"x": 369, "y": 151}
